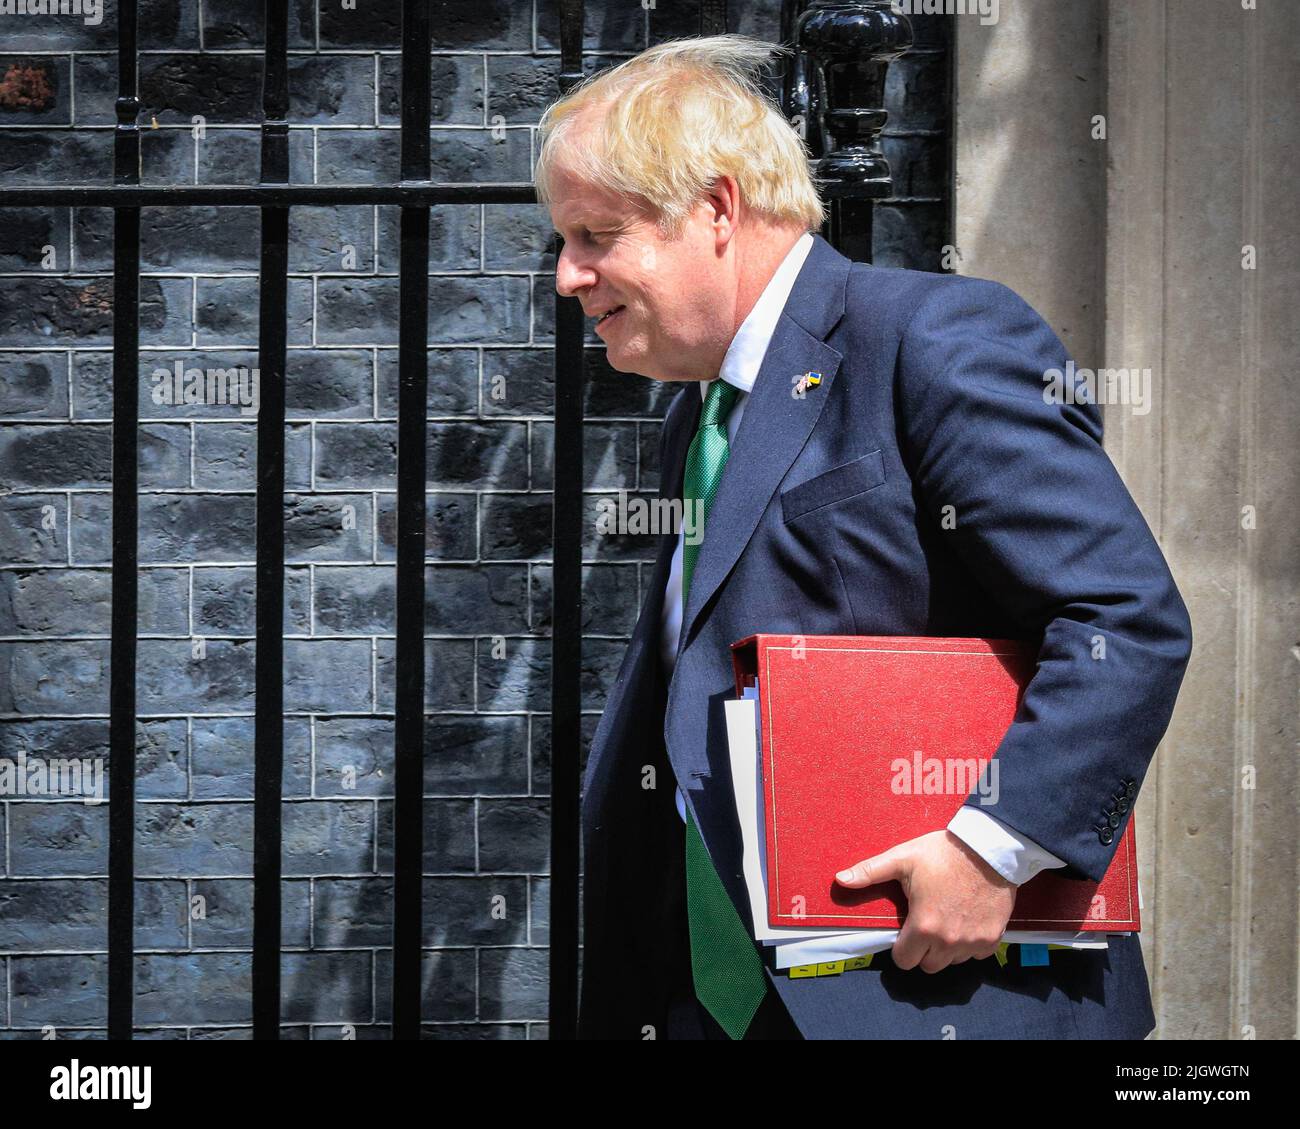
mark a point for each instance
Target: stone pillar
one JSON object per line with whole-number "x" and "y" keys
{"x": 1138, "y": 250}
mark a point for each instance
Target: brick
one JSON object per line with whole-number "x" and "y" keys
{"x": 34, "y": 385}
{"x": 454, "y": 236}
{"x": 449, "y": 674}
{"x": 513, "y": 984}
{"x": 514, "y": 835}
{"x": 193, "y": 839}
{"x": 609, "y": 456}
{"x": 478, "y": 455}
{"x": 197, "y": 527}
{"x": 25, "y": 233}
{"x": 172, "y": 680}
{"x": 354, "y": 600}
{"x": 161, "y": 759}
{"x": 516, "y": 526}
{"x": 63, "y": 992}
{"x": 447, "y": 985}
{"x": 453, "y": 382}
{"x": 35, "y": 90}
{"x": 227, "y": 913}
{"x": 449, "y": 837}
{"x": 489, "y": 599}
{"x": 226, "y": 311}
{"x": 241, "y": 24}
{"x": 450, "y": 527}
{"x": 328, "y": 836}
{"x": 456, "y": 89}
{"x": 68, "y": 602}
{"x": 318, "y": 236}
{"x": 354, "y": 756}
{"x": 49, "y": 310}
{"x": 223, "y": 758}
{"x": 609, "y": 599}
{"x": 173, "y": 239}
{"x": 461, "y": 310}
{"x": 54, "y": 678}
{"x": 63, "y": 838}
{"x": 327, "y": 527}
{"x": 233, "y": 156}
{"x": 193, "y": 988}
{"x": 356, "y": 455}
{"x": 225, "y": 601}
{"x": 225, "y": 456}
{"x": 33, "y": 528}
{"x": 42, "y": 455}
{"x": 335, "y": 383}
{"x": 327, "y": 675}
{"x": 33, "y": 157}
{"x": 476, "y": 755}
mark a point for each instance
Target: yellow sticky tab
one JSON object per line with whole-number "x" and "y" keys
{"x": 799, "y": 970}
{"x": 1002, "y": 954}
{"x": 830, "y": 968}
{"x": 1059, "y": 947}
{"x": 857, "y": 962}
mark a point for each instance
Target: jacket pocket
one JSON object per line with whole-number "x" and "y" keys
{"x": 834, "y": 485}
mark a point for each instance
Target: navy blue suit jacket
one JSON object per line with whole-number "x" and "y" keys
{"x": 830, "y": 519}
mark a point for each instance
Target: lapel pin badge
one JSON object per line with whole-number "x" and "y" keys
{"x": 808, "y": 380}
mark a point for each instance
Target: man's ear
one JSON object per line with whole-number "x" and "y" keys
{"x": 724, "y": 198}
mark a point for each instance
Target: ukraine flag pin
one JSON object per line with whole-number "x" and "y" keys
{"x": 808, "y": 380}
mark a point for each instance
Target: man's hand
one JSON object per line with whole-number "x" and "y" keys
{"x": 957, "y": 905}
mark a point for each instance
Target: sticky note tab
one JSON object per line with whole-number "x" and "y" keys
{"x": 1002, "y": 954}
{"x": 1063, "y": 948}
{"x": 1032, "y": 956}
{"x": 800, "y": 970}
{"x": 830, "y": 968}
{"x": 857, "y": 962}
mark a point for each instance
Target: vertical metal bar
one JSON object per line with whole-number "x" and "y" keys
{"x": 566, "y": 616}
{"x": 412, "y": 407}
{"x": 122, "y": 648}
{"x": 268, "y": 764}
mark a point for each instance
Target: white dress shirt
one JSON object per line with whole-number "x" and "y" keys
{"x": 1008, "y": 852}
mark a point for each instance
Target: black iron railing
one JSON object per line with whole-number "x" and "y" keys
{"x": 415, "y": 194}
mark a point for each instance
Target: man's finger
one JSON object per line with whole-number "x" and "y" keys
{"x": 878, "y": 868}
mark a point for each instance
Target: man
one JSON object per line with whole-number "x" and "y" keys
{"x": 925, "y": 485}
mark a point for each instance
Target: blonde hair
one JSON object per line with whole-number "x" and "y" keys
{"x": 677, "y": 117}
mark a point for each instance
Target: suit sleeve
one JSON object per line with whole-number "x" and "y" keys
{"x": 1041, "y": 519}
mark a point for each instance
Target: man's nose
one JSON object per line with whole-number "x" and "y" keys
{"x": 570, "y": 275}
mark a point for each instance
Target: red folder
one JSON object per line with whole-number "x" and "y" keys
{"x": 868, "y": 741}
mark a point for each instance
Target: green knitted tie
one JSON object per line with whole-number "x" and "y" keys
{"x": 729, "y": 976}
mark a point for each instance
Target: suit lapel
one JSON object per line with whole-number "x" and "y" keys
{"x": 775, "y": 425}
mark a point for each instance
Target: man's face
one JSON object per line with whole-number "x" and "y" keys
{"x": 675, "y": 299}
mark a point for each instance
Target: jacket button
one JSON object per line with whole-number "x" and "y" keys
{"x": 1113, "y": 819}
{"x": 1121, "y": 804}
{"x": 1107, "y": 836}
{"x": 1131, "y": 789}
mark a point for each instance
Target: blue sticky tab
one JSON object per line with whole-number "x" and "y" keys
{"x": 1031, "y": 955}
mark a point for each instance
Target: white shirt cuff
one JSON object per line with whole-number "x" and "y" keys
{"x": 1008, "y": 852}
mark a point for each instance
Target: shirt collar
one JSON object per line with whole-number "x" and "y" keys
{"x": 745, "y": 355}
